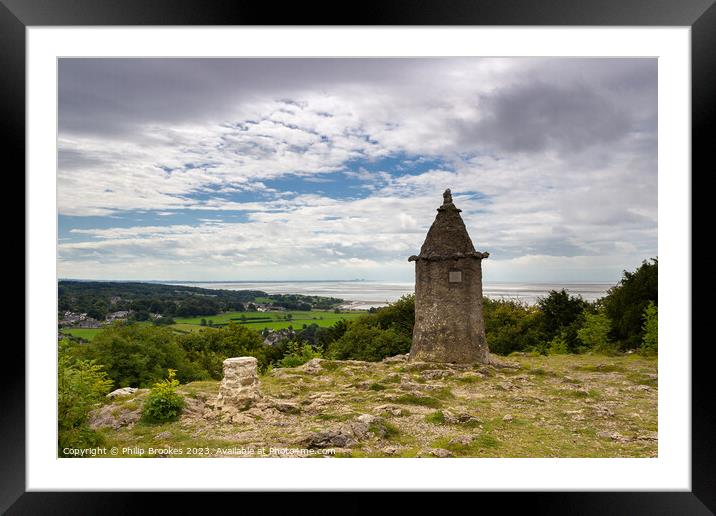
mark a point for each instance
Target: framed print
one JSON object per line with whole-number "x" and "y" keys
{"x": 419, "y": 246}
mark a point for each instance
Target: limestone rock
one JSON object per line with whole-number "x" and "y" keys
{"x": 194, "y": 408}
{"x": 459, "y": 418}
{"x": 614, "y": 436}
{"x": 313, "y": 366}
{"x": 368, "y": 419}
{"x": 330, "y": 439}
{"x": 368, "y": 425}
{"x": 648, "y": 436}
{"x": 316, "y": 403}
{"x": 603, "y": 411}
{"x": 287, "y": 407}
{"x": 409, "y": 385}
{"x": 440, "y": 452}
{"x": 392, "y": 410}
{"x": 472, "y": 376}
{"x": 396, "y": 359}
{"x": 124, "y": 391}
{"x": 111, "y": 416}
{"x": 432, "y": 374}
{"x": 239, "y": 388}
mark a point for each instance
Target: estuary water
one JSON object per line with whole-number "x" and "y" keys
{"x": 366, "y": 294}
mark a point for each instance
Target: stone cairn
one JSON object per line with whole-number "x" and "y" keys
{"x": 240, "y": 386}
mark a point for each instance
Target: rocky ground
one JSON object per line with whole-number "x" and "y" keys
{"x": 555, "y": 406}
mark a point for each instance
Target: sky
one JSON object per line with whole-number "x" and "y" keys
{"x": 332, "y": 169}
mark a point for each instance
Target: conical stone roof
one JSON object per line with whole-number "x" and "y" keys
{"x": 447, "y": 238}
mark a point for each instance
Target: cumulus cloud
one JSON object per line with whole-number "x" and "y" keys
{"x": 533, "y": 117}
{"x": 280, "y": 168}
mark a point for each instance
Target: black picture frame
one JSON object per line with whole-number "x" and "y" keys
{"x": 699, "y": 15}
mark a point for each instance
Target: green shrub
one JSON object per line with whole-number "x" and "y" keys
{"x": 81, "y": 385}
{"x": 510, "y": 326}
{"x": 595, "y": 332}
{"x": 137, "y": 356}
{"x": 650, "y": 341}
{"x": 625, "y": 303}
{"x": 561, "y": 314}
{"x": 298, "y": 354}
{"x": 163, "y": 402}
{"x": 398, "y": 316}
{"x": 558, "y": 345}
{"x": 206, "y": 350}
{"x": 362, "y": 341}
{"x": 383, "y": 332}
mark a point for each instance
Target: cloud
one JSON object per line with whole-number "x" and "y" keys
{"x": 295, "y": 168}
{"x": 534, "y": 117}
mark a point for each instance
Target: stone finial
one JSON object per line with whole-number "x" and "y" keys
{"x": 240, "y": 386}
{"x": 447, "y": 197}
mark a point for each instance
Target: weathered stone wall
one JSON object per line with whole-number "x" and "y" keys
{"x": 240, "y": 386}
{"x": 449, "y": 324}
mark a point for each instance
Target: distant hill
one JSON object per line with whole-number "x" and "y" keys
{"x": 99, "y": 298}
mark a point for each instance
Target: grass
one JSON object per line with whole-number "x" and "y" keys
{"x": 82, "y": 333}
{"x": 391, "y": 431}
{"x": 552, "y": 406}
{"x": 254, "y": 320}
{"x": 436, "y": 418}
{"x": 274, "y": 320}
{"x": 600, "y": 368}
{"x": 423, "y": 401}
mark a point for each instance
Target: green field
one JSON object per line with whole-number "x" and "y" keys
{"x": 273, "y": 320}
{"x": 83, "y": 333}
{"x": 255, "y": 320}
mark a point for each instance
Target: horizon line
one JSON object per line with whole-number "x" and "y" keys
{"x": 545, "y": 282}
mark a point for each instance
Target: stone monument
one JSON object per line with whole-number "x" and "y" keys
{"x": 449, "y": 325}
{"x": 240, "y": 386}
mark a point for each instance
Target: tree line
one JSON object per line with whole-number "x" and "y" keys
{"x": 99, "y": 298}
{"x": 138, "y": 355}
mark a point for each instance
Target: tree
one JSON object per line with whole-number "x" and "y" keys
{"x": 98, "y": 310}
{"x": 650, "y": 341}
{"x": 164, "y": 321}
{"x": 625, "y": 303}
{"x": 510, "y": 326}
{"x": 207, "y": 349}
{"x": 137, "y": 356}
{"x": 558, "y": 345}
{"x": 298, "y": 353}
{"x": 141, "y": 315}
{"x": 561, "y": 315}
{"x": 398, "y": 316}
{"x": 594, "y": 334}
{"x": 81, "y": 385}
{"x": 365, "y": 342}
